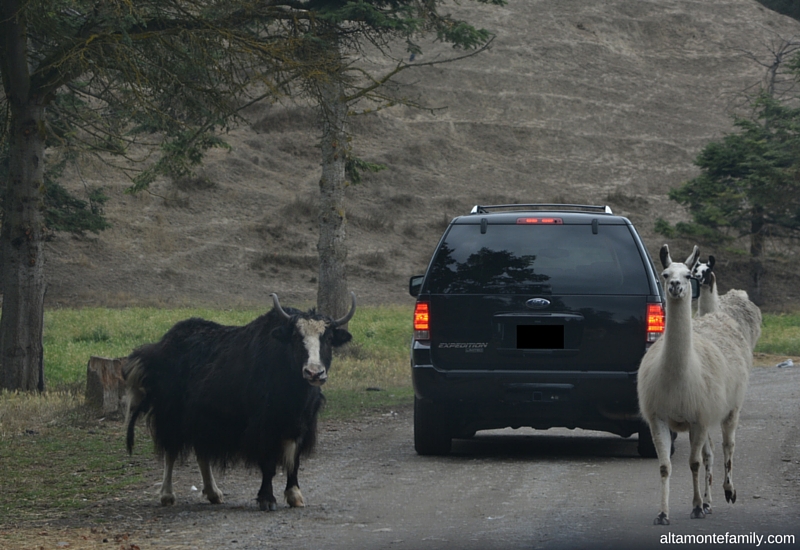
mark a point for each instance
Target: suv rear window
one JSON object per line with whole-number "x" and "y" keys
{"x": 538, "y": 259}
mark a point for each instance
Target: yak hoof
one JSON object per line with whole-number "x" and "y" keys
{"x": 661, "y": 519}
{"x": 167, "y": 500}
{"x": 265, "y": 505}
{"x": 730, "y": 496}
{"x": 214, "y": 497}
{"x": 294, "y": 497}
{"x": 698, "y": 513}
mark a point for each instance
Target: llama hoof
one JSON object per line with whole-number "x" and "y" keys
{"x": 730, "y": 496}
{"x": 698, "y": 513}
{"x": 267, "y": 506}
{"x": 167, "y": 500}
{"x": 661, "y": 519}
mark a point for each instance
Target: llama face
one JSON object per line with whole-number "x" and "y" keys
{"x": 677, "y": 281}
{"x": 702, "y": 271}
{"x": 677, "y": 277}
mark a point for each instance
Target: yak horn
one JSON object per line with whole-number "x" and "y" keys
{"x": 336, "y": 323}
{"x": 344, "y": 320}
{"x": 277, "y": 305}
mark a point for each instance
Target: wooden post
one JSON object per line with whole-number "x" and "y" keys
{"x": 105, "y": 385}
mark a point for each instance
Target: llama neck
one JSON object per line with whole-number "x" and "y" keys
{"x": 708, "y": 301}
{"x": 678, "y": 332}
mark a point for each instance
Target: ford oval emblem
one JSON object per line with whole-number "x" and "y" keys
{"x": 537, "y": 303}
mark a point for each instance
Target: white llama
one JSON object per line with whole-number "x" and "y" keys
{"x": 735, "y": 303}
{"x": 692, "y": 378}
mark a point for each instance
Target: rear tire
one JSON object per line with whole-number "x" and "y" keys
{"x": 431, "y": 429}
{"x": 647, "y": 448}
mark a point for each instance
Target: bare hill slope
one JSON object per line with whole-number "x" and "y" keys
{"x": 591, "y": 102}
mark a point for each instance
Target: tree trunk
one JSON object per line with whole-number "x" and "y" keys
{"x": 21, "y": 236}
{"x": 332, "y": 295}
{"x": 22, "y": 248}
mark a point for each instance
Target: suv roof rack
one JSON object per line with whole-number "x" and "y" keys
{"x": 486, "y": 209}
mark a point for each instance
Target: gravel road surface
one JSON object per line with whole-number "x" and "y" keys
{"x": 366, "y": 488}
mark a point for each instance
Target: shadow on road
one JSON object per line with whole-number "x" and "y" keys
{"x": 532, "y": 445}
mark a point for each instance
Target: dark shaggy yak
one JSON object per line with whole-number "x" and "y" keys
{"x": 235, "y": 394}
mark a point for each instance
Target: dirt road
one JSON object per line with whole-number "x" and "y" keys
{"x": 366, "y": 488}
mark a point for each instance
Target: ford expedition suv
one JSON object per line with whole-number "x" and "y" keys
{"x": 533, "y": 315}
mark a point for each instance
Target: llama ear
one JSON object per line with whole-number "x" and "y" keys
{"x": 665, "y": 259}
{"x": 711, "y": 261}
{"x": 692, "y": 259}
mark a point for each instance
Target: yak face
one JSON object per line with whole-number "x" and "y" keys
{"x": 312, "y": 340}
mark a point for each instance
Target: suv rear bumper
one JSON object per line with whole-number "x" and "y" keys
{"x": 488, "y": 399}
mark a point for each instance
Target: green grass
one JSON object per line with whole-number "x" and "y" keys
{"x": 349, "y": 403}
{"x": 71, "y": 336}
{"x": 780, "y": 334}
{"x": 62, "y": 471}
{"x": 64, "y": 461}
{"x": 376, "y": 358}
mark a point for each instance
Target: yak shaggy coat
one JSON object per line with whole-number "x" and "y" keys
{"x": 235, "y": 394}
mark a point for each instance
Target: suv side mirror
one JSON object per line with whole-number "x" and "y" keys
{"x": 695, "y": 288}
{"x": 415, "y": 285}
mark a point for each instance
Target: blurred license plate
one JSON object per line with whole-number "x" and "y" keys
{"x": 540, "y": 336}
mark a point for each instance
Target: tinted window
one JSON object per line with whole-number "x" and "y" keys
{"x": 537, "y": 259}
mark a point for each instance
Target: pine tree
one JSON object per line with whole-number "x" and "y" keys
{"x": 96, "y": 76}
{"x": 749, "y": 186}
{"x": 338, "y": 31}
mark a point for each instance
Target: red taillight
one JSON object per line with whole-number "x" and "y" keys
{"x": 543, "y": 221}
{"x": 655, "y": 322}
{"x": 422, "y": 326}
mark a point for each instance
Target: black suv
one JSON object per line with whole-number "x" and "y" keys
{"x": 533, "y": 315}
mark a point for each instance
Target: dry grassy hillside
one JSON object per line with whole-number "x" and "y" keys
{"x": 591, "y": 102}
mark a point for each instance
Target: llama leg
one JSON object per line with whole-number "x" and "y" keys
{"x": 728, "y": 444}
{"x": 210, "y": 489}
{"x": 167, "y": 496}
{"x": 662, "y": 440}
{"x": 708, "y": 462}
{"x": 698, "y": 438}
